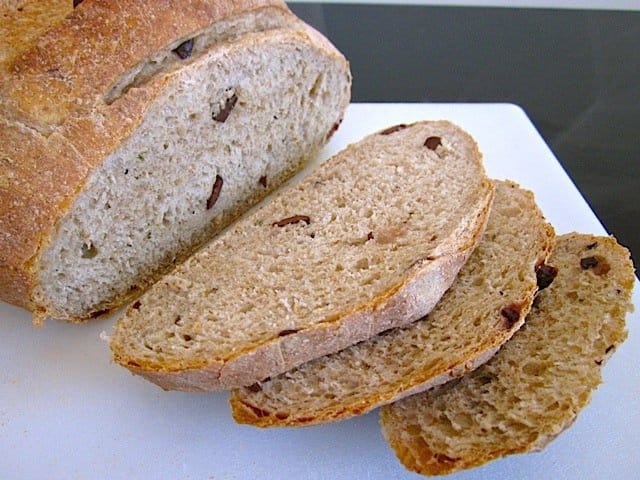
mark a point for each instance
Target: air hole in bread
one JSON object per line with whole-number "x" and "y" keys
{"x": 553, "y": 406}
{"x": 370, "y": 280}
{"x": 413, "y": 430}
{"x": 247, "y": 307}
{"x": 572, "y": 296}
{"x": 532, "y": 368}
{"x": 274, "y": 268}
{"x": 362, "y": 264}
{"x": 89, "y": 250}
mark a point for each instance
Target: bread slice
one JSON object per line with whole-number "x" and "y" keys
{"x": 485, "y": 306}
{"x": 369, "y": 241}
{"x": 537, "y": 383}
{"x": 130, "y": 133}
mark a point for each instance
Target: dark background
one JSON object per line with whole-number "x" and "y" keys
{"x": 575, "y": 72}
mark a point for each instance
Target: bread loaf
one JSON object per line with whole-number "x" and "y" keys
{"x": 131, "y": 132}
{"x": 369, "y": 241}
{"x": 536, "y": 385}
{"x": 486, "y": 304}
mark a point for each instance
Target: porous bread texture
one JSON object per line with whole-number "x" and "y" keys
{"x": 536, "y": 385}
{"x": 369, "y": 241}
{"x": 147, "y": 206}
{"x": 76, "y": 90}
{"x": 463, "y": 331}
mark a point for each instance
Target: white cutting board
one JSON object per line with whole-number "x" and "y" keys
{"x": 67, "y": 412}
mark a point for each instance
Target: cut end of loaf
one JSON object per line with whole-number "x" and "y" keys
{"x": 219, "y": 137}
{"x": 536, "y": 385}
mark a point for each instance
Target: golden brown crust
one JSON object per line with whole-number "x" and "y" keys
{"x": 24, "y": 20}
{"x": 55, "y": 127}
{"x": 36, "y": 174}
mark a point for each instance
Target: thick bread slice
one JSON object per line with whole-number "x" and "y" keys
{"x": 534, "y": 387}
{"x": 485, "y": 306}
{"x": 369, "y": 241}
{"x": 131, "y": 132}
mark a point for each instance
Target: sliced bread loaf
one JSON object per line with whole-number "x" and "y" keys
{"x": 485, "y": 306}
{"x": 369, "y": 241}
{"x": 534, "y": 387}
{"x": 131, "y": 132}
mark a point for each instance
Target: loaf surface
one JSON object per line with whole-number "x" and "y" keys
{"x": 132, "y": 132}
{"x": 536, "y": 385}
{"x": 25, "y": 20}
{"x": 369, "y": 241}
{"x": 486, "y": 304}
